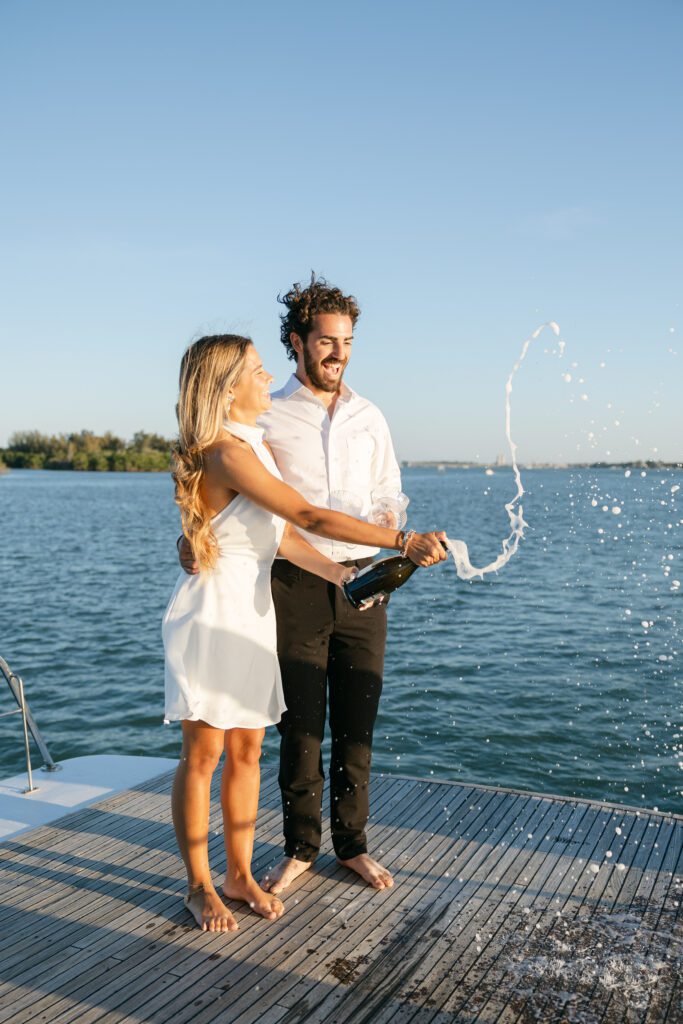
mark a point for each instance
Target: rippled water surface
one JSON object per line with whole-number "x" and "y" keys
{"x": 562, "y": 674}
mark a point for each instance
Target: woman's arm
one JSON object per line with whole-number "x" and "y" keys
{"x": 237, "y": 468}
{"x": 297, "y": 550}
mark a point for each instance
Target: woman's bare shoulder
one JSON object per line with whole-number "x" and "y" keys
{"x": 226, "y": 452}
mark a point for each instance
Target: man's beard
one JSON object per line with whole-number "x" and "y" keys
{"x": 316, "y": 379}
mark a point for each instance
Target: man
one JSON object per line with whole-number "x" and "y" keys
{"x": 334, "y": 447}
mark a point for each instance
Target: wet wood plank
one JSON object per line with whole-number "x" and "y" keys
{"x": 508, "y": 907}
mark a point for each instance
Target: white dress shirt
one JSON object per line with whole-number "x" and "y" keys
{"x": 333, "y": 462}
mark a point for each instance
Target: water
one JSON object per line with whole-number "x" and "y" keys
{"x": 458, "y": 548}
{"x": 560, "y": 674}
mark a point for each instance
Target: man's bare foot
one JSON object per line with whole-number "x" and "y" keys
{"x": 249, "y": 891}
{"x": 209, "y": 911}
{"x": 368, "y": 869}
{"x": 283, "y": 874}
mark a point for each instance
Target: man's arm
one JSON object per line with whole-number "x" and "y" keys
{"x": 186, "y": 557}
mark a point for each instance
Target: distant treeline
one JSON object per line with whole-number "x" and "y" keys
{"x": 88, "y": 452}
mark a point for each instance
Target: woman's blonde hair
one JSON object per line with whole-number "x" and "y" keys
{"x": 209, "y": 368}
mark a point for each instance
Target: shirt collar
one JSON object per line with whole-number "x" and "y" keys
{"x": 295, "y": 387}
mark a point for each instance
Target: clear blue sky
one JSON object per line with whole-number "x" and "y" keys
{"x": 468, "y": 170}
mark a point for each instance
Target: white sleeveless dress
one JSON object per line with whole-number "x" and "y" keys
{"x": 219, "y": 628}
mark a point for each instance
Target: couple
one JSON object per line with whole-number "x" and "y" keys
{"x": 265, "y": 557}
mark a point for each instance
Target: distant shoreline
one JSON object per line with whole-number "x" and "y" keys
{"x": 5, "y": 470}
{"x": 87, "y": 452}
{"x": 488, "y": 468}
{"x": 444, "y": 464}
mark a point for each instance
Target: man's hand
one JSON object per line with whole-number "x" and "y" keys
{"x": 426, "y": 548}
{"x": 186, "y": 558}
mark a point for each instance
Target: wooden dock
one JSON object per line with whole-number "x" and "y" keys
{"x": 507, "y": 907}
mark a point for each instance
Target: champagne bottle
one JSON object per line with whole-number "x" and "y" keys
{"x": 379, "y": 579}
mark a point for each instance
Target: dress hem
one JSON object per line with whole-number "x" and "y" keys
{"x": 233, "y": 725}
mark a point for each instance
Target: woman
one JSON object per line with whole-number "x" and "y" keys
{"x": 222, "y": 673}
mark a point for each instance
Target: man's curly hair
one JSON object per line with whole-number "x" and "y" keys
{"x": 303, "y": 304}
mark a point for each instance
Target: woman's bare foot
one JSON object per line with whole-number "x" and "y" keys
{"x": 369, "y": 870}
{"x": 281, "y": 877}
{"x": 249, "y": 891}
{"x": 209, "y": 911}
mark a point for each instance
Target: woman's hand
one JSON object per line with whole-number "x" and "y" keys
{"x": 347, "y": 573}
{"x": 426, "y": 548}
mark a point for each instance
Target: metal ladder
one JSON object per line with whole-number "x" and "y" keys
{"x": 16, "y": 686}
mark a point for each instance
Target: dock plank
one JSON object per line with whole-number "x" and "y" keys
{"x": 533, "y": 953}
{"x": 372, "y": 948}
{"x": 126, "y": 944}
{"x": 184, "y": 970}
{"x": 453, "y": 904}
{"x": 526, "y": 880}
{"x": 646, "y": 920}
{"x": 314, "y": 908}
{"x": 319, "y": 920}
{"x": 489, "y": 882}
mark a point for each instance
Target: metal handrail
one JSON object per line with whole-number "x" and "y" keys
{"x": 16, "y": 686}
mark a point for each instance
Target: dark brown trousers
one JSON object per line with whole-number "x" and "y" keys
{"x": 326, "y": 646}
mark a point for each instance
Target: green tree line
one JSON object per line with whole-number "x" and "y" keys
{"x": 87, "y": 451}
